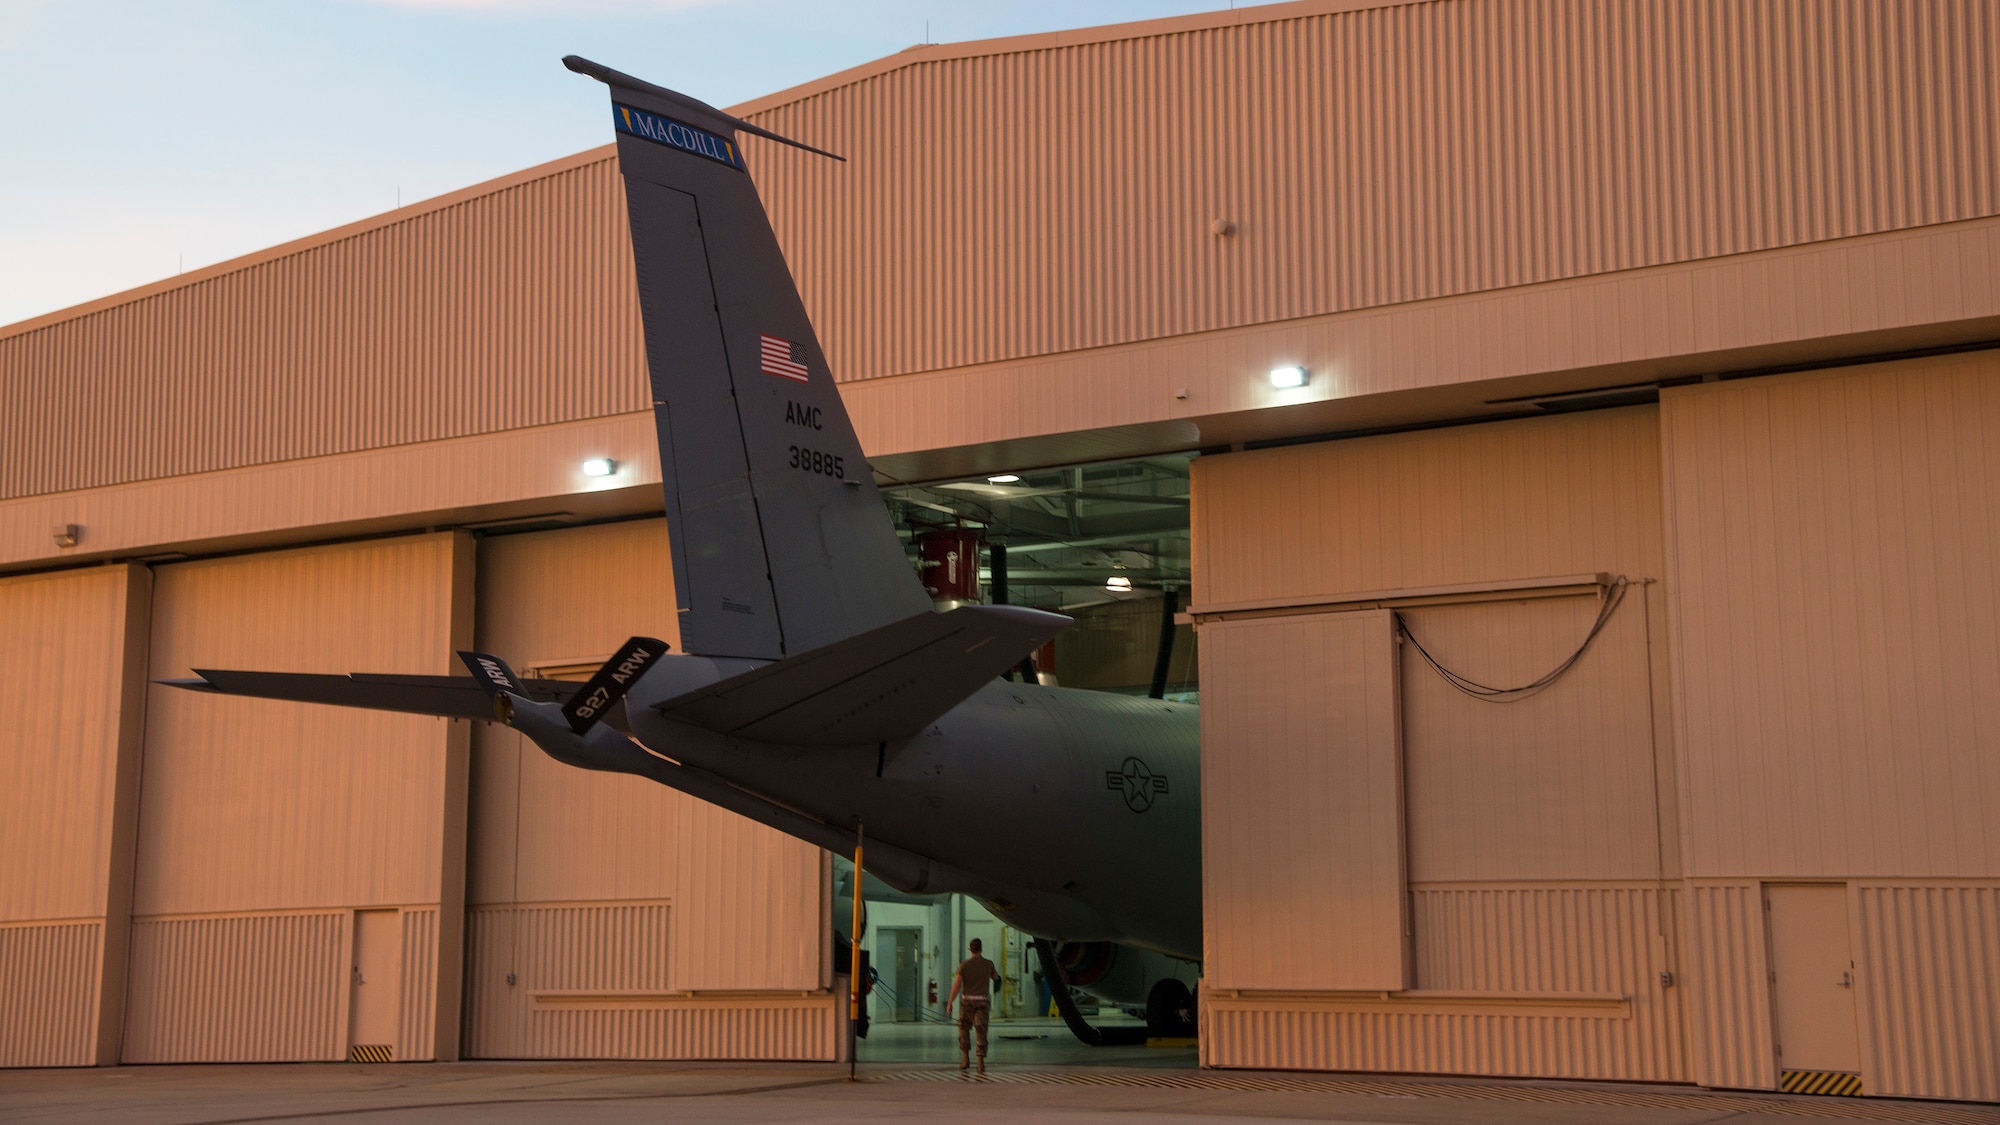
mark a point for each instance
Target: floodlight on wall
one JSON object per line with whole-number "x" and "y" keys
{"x": 1003, "y": 478}
{"x": 599, "y": 467}
{"x": 65, "y": 534}
{"x": 1118, "y": 584}
{"x": 1294, "y": 376}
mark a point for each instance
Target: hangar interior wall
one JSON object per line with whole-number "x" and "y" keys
{"x": 611, "y": 916}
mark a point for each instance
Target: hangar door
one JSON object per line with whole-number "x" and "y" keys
{"x": 267, "y": 828}
{"x": 1302, "y": 804}
{"x": 609, "y": 916}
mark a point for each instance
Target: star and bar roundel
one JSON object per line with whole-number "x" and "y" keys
{"x": 1139, "y": 784}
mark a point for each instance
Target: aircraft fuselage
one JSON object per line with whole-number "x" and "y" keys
{"x": 1074, "y": 814}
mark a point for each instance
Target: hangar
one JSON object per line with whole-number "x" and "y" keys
{"x": 1667, "y": 324}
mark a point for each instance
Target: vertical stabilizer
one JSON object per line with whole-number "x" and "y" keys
{"x": 781, "y": 542}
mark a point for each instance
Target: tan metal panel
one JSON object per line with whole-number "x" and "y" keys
{"x": 551, "y": 597}
{"x": 61, "y": 658}
{"x": 1572, "y": 939}
{"x": 504, "y": 306}
{"x": 591, "y": 980}
{"x": 1302, "y": 826}
{"x": 1835, "y": 592}
{"x": 1929, "y": 989}
{"x": 1560, "y": 785}
{"x": 749, "y": 906}
{"x": 561, "y": 600}
{"x": 416, "y": 1018}
{"x": 246, "y": 988}
{"x": 522, "y": 473}
{"x": 1051, "y": 193}
{"x": 1728, "y": 980}
{"x": 517, "y": 952}
{"x": 72, "y": 704}
{"x": 1542, "y": 496}
{"x": 1396, "y": 365}
{"x": 1522, "y": 980}
{"x": 260, "y": 805}
{"x": 1369, "y": 157}
{"x": 48, "y": 992}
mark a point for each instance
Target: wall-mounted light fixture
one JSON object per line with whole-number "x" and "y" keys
{"x": 1118, "y": 584}
{"x": 65, "y": 534}
{"x": 1003, "y": 478}
{"x": 599, "y": 467}
{"x": 1294, "y": 376}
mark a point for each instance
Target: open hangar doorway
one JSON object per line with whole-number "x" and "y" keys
{"x": 1107, "y": 544}
{"x": 1104, "y": 543}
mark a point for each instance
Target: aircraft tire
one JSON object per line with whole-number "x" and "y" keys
{"x": 1170, "y": 1010}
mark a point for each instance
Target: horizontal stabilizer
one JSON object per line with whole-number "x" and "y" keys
{"x": 458, "y": 697}
{"x": 888, "y": 683}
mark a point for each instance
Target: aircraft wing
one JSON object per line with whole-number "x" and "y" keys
{"x": 888, "y": 683}
{"x": 458, "y": 697}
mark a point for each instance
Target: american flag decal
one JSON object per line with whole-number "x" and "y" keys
{"x": 783, "y": 358}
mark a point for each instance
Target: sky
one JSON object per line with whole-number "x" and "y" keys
{"x": 141, "y": 138}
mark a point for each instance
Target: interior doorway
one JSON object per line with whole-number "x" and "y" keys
{"x": 899, "y": 957}
{"x": 1812, "y": 988}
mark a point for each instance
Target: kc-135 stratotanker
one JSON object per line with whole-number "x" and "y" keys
{"x": 819, "y": 692}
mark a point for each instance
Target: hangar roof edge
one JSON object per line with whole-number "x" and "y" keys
{"x": 912, "y": 56}
{"x": 312, "y": 241}
{"x": 924, "y": 53}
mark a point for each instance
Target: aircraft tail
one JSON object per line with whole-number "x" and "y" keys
{"x": 781, "y": 543}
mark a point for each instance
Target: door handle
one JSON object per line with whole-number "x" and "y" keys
{"x": 1847, "y": 980}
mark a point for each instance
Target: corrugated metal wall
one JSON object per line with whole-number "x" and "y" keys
{"x": 1728, "y": 976}
{"x": 1930, "y": 989}
{"x": 262, "y": 806}
{"x": 506, "y": 306}
{"x": 1568, "y": 939}
{"x": 1833, "y": 540}
{"x": 62, "y": 646}
{"x": 1555, "y": 981}
{"x": 1302, "y": 805}
{"x": 573, "y": 872}
{"x": 560, "y": 953}
{"x": 1544, "y": 903}
{"x": 49, "y": 977}
{"x": 1058, "y": 194}
{"x": 250, "y": 804}
{"x": 1845, "y": 528}
{"x": 591, "y": 980}
{"x": 241, "y": 988}
{"x": 1055, "y": 193}
{"x": 71, "y": 651}
{"x": 416, "y": 1018}
{"x": 1561, "y": 785}
{"x": 1539, "y": 497}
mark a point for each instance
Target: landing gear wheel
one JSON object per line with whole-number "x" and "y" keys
{"x": 1170, "y": 1010}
